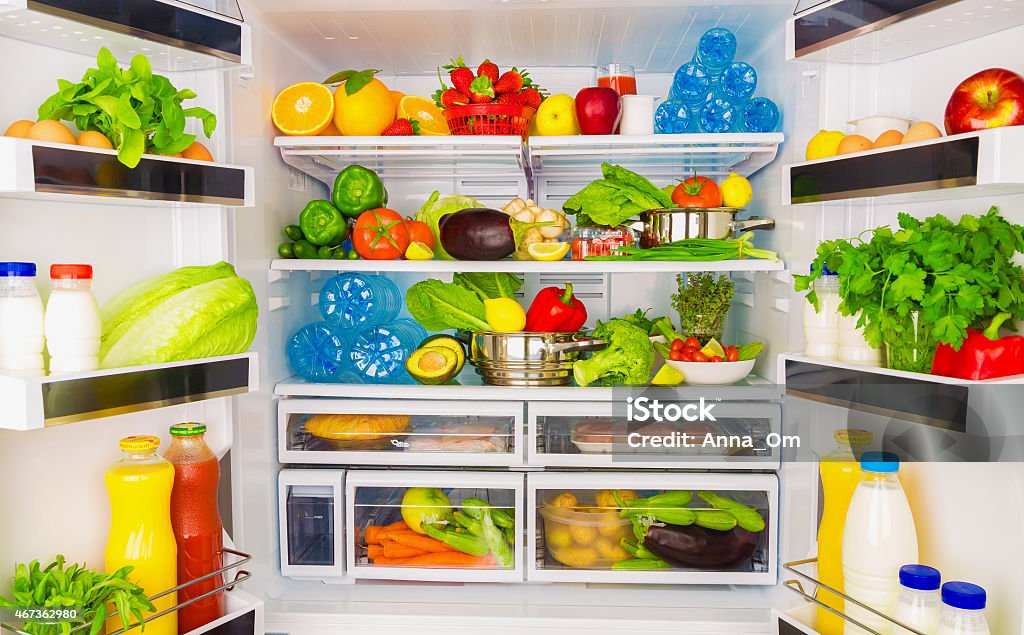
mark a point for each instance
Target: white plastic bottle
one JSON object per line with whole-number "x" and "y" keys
{"x": 21, "y": 321}
{"x": 878, "y": 538}
{"x": 72, "y": 320}
{"x": 821, "y": 327}
{"x": 918, "y": 606}
{"x": 963, "y": 610}
{"x": 853, "y": 348}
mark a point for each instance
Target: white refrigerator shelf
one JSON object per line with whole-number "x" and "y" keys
{"x": 524, "y": 266}
{"x": 38, "y": 402}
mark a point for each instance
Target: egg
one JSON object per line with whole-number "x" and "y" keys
{"x": 52, "y": 132}
{"x": 19, "y": 129}
{"x": 853, "y": 143}
{"x": 921, "y": 131}
{"x": 197, "y": 152}
{"x": 888, "y": 138}
{"x": 93, "y": 139}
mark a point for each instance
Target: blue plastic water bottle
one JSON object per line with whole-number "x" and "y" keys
{"x": 738, "y": 83}
{"x": 760, "y": 114}
{"x": 672, "y": 117}
{"x": 379, "y": 352}
{"x": 354, "y": 300}
{"x": 716, "y": 49}
{"x": 691, "y": 84}
{"x": 718, "y": 115}
{"x": 317, "y": 353}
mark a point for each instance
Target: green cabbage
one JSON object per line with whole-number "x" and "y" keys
{"x": 438, "y": 206}
{"x": 189, "y": 313}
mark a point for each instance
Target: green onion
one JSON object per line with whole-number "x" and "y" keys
{"x": 697, "y": 250}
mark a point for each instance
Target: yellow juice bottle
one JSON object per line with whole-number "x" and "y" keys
{"x": 139, "y": 488}
{"x": 840, "y": 474}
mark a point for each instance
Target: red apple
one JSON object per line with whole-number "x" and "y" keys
{"x": 990, "y": 98}
{"x": 598, "y": 110}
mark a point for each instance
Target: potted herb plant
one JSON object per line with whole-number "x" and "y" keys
{"x": 702, "y": 301}
{"x": 925, "y": 283}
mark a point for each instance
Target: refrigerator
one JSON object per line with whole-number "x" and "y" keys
{"x": 295, "y": 513}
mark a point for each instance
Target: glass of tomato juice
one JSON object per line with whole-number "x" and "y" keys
{"x": 621, "y": 77}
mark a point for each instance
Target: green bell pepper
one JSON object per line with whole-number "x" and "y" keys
{"x": 323, "y": 224}
{"x": 358, "y": 189}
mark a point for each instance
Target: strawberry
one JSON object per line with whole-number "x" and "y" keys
{"x": 510, "y": 98}
{"x": 453, "y": 97}
{"x": 489, "y": 70}
{"x": 481, "y": 91}
{"x": 531, "y": 97}
{"x": 510, "y": 82}
{"x": 402, "y": 128}
{"x": 460, "y": 74}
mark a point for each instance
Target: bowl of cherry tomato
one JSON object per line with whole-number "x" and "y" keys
{"x": 699, "y": 368}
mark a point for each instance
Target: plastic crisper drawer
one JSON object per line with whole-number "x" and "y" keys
{"x": 579, "y": 534}
{"x": 599, "y": 434}
{"x": 310, "y": 512}
{"x": 400, "y": 432}
{"x": 382, "y": 509}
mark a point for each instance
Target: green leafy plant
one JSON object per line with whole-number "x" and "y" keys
{"x": 619, "y": 196}
{"x": 489, "y": 285}
{"x": 132, "y": 107}
{"x": 441, "y": 305}
{"x": 932, "y": 277}
{"x": 702, "y": 301}
{"x": 75, "y": 586}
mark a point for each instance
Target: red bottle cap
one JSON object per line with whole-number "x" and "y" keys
{"x": 71, "y": 272}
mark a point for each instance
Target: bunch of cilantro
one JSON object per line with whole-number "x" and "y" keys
{"x": 132, "y": 107}
{"x": 954, "y": 276}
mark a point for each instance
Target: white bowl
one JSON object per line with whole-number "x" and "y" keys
{"x": 713, "y": 373}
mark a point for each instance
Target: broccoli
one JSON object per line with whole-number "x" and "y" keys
{"x": 626, "y": 360}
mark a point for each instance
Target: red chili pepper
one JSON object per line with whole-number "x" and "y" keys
{"x": 556, "y": 310}
{"x": 983, "y": 355}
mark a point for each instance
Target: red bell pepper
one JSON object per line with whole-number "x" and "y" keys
{"x": 983, "y": 355}
{"x": 556, "y": 310}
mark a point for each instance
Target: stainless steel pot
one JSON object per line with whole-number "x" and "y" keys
{"x": 527, "y": 359}
{"x": 662, "y": 226}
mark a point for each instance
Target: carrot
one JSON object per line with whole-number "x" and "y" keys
{"x": 419, "y": 541}
{"x": 397, "y": 526}
{"x": 393, "y": 549}
{"x": 371, "y": 533}
{"x": 451, "y": 559}
{"x": 382, "y": 561}
{"x": 372, "y": 551}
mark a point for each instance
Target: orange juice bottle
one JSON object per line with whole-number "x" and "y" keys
{"x": 139, "y": 488}
{"x": 840, "y": 474}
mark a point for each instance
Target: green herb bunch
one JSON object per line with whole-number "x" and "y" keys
{"x": 76, "y": 586}
{"x": 702, "y": 296}
{"x": 952, "y": 275}
{"x": 132, "y": 107}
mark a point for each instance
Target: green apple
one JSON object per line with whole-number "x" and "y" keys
{"x": 424, "y": 504}
{"x": 557, "y": 116}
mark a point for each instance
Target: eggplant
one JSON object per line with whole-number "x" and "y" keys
{"x": 699, "y": 547}
{"x": 480, "y": 233}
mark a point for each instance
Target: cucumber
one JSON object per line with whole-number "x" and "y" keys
{"x": 747, "y": 517}
{"x": 665, "y": 499}
{"x": 714, "y": 519}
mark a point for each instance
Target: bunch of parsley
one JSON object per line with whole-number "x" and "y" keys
{"x": 132, "y": 107}
{"x": 952, "y": 275}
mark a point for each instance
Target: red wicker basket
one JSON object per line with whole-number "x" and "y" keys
{"x": 489, "y": 119}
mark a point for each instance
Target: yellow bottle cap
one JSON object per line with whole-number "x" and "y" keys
{"x": 139, "y": 443}
{"x": 853, "y": 436}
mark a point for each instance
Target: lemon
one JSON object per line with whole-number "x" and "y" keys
{"x": 668, "y": 376}
{"x": 418, "y": 251}
{"x": 421, "y": 109}
{"x": 736, "y": 191}
{"x": 505, "y": 315}
{"x": 824, "y": 144}
{"x": 712, "y": 348}
{"x": 548, "y": 252}
{"x": 366, "y": 112}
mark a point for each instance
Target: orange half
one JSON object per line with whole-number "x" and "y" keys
{"x": 425, "y": 111}
{"x": 304, "y": 109}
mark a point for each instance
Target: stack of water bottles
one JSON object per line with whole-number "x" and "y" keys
{"x": 714, "y": 93}
{"x": 359, "y": 339}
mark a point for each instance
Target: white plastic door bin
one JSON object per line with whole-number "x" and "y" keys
{"x": 310, "y": 509}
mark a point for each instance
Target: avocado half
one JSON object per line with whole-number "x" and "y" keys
{"x": 433, "y": 365}
{"x": 449, "y": 342}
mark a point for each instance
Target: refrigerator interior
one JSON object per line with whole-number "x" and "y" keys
{"x": 307, "y": 40}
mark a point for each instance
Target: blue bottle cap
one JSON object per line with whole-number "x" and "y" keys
{"x": 963, "y": 595}
{"x": 17, "y": 269}
{"x": 825, "y": 271}
{"x": 880, "y": 462}
{"x": 920, "y": 577}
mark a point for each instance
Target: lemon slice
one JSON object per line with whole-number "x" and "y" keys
{"x": 426, "y": 112}
{"x": 712, "y": 348}
{"x": 548, "y": 252}
{"x": 668, "y": 376}
{"x": 418, "y": 251}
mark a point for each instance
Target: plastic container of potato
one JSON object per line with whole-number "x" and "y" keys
{"x": 585, "y": 536}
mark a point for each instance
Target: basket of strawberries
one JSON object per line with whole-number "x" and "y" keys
{"x": 487, "y": 102}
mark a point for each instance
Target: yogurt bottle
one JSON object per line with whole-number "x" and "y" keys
{"x": 919, "y": 605}
{"x": 878, "y": 538}
{"x": 963, "y": 610}
{"x": 821, "y": 327}
{"x": 853, "y": 348}
{"x": 72, "y": 320}
{"x": 21, "y": 321}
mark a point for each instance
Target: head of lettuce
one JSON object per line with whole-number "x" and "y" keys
{"x": 189, "y": 313}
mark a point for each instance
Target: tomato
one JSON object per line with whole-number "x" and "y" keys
{"x": 675, "y": 356}
{"x": 699, "y": 356}
{"x": 380, "y": 234}
{"x": 420, "y": 232}
{"x": 677, "y": 345}
{"x": 686, "y": 356}
{"x": 732, "y": 354}
{"x": 697, "y": 191}
{"x": 717, "y": 358}
{"x": 692, "y": 342}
